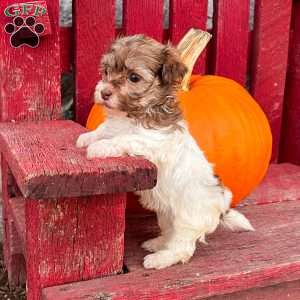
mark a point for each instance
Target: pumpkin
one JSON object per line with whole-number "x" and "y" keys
{"x": 228, "y": 125}
{"x": 95, "y": 118}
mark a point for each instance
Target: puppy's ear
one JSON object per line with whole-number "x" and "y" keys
{"x": 173, "y": 69}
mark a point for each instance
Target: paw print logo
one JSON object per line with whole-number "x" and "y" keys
{"x": 24, "y": 32}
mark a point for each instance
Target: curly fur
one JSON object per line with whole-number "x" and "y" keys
{"x": 144, "y": 119}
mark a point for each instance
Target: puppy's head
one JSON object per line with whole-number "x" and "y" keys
{"x": 140, "y": 77}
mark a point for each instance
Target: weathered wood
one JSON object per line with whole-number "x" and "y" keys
{"x": 196, "y": 10}
{"x": 290, "y": 141}
{"x": 231, "y": 32}
{"x": 46, "y": 163}
{"x": 12, "y": 245}
{"x": 30, "y": 78}
{"x": 230, "y": 262}
{"x": 280, "y": 184}
{"x": 73, "y": 239}
{"x": 143, "y": 16}
{"x": 17, "y": 211}
{"x": 269, "y": 61}
{"x": 80, "y": 238}
{"x": 67, "y": 239}
{"x": 94, "y": 30}
{"x": 283, "y": 291}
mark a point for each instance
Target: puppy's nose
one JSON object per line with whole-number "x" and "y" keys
{"x": 105, "y": 94}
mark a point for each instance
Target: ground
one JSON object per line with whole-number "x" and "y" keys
{"x": 5, "y": 292}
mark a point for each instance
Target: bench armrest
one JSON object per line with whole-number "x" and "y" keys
{"x": 46, "y": 163}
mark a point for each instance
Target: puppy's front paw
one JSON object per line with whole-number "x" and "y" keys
{"x": 103, "y": 148}
{"x": 154, "y": 245}
{"x": 160, "y": 260}
{"x": 85, "y": 139}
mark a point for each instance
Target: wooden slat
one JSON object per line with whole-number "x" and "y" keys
{"x": 283, "y": 291}
{"x": 290, "y": 140}
{"x": 30, "y": 78}
{"x": 94, "y": 30}
{"x": 230, "y": 262}
{"x": 270, "y": 53}
{"x": 144, "y": 16}
{"x": 231, "y": 33}
{"x": 17, "y": 210}
{"x": 185, "y": 15}
{"x": 73, "y": 239}
{"x": 46, "y": 163}
{"x": 12, "y": 244}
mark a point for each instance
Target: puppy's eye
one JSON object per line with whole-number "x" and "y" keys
{"x": 133, "y": 77}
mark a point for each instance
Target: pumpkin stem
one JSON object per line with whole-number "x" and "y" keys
{"x": 190, "y": 47}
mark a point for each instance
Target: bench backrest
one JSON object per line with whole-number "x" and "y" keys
{"x": 30, "y": 81}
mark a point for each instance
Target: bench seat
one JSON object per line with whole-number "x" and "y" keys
{"x": 241, "y": 265}
{"x": 46, "y": 163}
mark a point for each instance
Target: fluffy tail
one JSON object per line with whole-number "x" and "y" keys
{"x": 234, "y": 220}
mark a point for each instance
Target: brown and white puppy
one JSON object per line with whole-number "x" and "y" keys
{"x": 140, "y": 77}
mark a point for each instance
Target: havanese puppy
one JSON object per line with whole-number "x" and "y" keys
{"x": 140, "y": 77}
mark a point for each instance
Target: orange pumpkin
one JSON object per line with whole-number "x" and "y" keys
{"x": 96, "y": 117}
{"x": 229, "y": 127}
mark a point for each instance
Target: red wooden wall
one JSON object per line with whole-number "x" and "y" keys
{"x": 258, "y": 58}
{"x": 290, "y": 135}
{"x": 269, "y": 64}
{"x": 93, "y": 32}
{"x": 231, "y": 32}
{"x": 266, "y": 59}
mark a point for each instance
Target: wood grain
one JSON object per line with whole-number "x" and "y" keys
{"x": 196, "y": 10}
{"x": 230, "y": 37}
{"x": 12, "y": 244}
{"x": 283, "y": 291}
{"x": 73, "y": 239}
{"x": 94, "y": 30}
{"x": 290, "y": 141}
{"x": 142, "y": 16}
{"x": 46, "y": 163}
{"x": 17, "y": 211}
{"x": 30, "y": 78}
{"x": 269, "y": 61}
{"x": 230, "y": 262}
{"x": 280, "y": 184}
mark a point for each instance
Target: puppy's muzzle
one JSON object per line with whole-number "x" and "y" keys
{"x": 106, "y": 94}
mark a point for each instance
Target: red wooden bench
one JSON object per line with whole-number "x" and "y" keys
{"x": 64, "y": 216}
